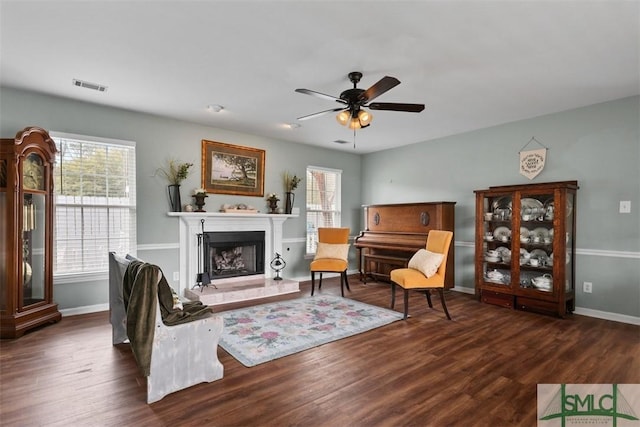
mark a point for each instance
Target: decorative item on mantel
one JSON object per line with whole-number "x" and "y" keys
{"x": 199, "y": 195}
{"x": 278, "y": 264}
{"x": 239, "y": 208}
{"x": 290, "y": 184}
{"x": 175, "y": 173}
{"x": 273, "y": 200}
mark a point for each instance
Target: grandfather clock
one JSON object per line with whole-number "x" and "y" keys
{"x": 26, "y": 232}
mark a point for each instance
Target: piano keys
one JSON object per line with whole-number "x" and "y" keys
{"x": 394, "y": 232}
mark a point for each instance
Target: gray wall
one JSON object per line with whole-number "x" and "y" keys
{"x": 598, "y": 145}
{"x": 159, "y": 138}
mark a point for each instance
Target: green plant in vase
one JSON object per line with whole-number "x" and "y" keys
{"x": 175, "y": 172}
{"x": 290, "y": 184}
{"x": 273, "y": 199}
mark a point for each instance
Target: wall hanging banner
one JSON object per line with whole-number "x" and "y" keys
{"x": 532, "y": 162}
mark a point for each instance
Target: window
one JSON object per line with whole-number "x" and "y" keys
{"x": 323, "y": 202}
{"x": 95, "y": 202}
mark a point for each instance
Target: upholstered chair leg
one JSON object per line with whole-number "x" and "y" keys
{"x": 406, "y": 304}
{"x": 341, "y": 285}
{"x": 313, "y": 282}
{"x": 427, "y": 293}
{"x": 393, "y": 294}
{"x": 444, "y": 304}
{"x": 320, "y": 282}
{"x": 346, "y": 280}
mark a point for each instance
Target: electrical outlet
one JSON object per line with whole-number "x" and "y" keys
{"x": 625, "y": 206}
{"x": 176, "y": 276}
{"x": 587, "y": 287}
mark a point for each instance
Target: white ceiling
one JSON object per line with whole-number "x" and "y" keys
{"x": 473, "y": 63}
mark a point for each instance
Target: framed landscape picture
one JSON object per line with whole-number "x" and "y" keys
{"x": 232, "y": 169}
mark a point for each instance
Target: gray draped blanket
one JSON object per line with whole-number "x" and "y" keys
{"x": 140, "y": 288}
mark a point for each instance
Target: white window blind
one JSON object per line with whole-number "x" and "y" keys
{"x": 323, "y": 202}
{"x": 95, "y": 202}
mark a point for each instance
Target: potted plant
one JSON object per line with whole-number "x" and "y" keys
{"x": 290, "y": 184}
{"x": 175, "y": 172}
{"x": 273, "y": 199}
{"x": 199, "y": 194}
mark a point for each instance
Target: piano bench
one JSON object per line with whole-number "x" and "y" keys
{"x": 398, "y": 261}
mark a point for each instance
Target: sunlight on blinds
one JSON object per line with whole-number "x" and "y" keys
{"x": 323, "y": 202}
{"x": 95, "y": 202}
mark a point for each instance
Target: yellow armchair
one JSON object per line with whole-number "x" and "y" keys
{"x": 331, "y": 256}
{"x": 438, "y": 242}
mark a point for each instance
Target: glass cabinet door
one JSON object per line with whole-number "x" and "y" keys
{"x": 497, "y": 242}
{"x": 33, "y": 249}
{"x": 4, "y": 275}
{"x": 33, "y": 230}
{"x": 570, "y": 242}
{"x": 537, "y": 212}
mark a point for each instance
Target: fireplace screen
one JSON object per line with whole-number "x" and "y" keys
{"x": 233, "y": 253}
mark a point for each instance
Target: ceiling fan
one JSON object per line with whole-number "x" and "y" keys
{"x": 352, "y": 112}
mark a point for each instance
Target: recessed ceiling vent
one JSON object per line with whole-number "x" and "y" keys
{"x": 341, "y": 141}
{"x": 89, "y": 85}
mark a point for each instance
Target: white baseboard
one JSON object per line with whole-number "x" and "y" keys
{"x": 623, "y": 318}
{"x": 464, "y": 290}
{"x": 84, "y": 310}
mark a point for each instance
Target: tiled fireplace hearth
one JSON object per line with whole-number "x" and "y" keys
{"x": 230, "y": 289}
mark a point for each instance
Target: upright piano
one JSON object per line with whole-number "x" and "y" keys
{"x": 394, "y": 232}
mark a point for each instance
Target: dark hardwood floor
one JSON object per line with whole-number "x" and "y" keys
{"x": 481, "y": 369}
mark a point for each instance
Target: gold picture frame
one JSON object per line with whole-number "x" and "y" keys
{"x": 232, "y": 169}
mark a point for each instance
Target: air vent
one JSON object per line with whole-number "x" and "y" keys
{"x": 341, "y": 141}
{"x": 89, "y": 85}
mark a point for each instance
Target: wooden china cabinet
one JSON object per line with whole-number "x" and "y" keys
{"x": 26, "y": 232}
{"x": 525, "y": 246}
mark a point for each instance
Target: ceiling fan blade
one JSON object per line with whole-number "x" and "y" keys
{"x": 321, "y": 113}
{"x": 320, "y": 95}
{"x": 383, "y": 85}
{"x": 393, "y": 106}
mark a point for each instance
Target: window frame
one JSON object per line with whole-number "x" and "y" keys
{"x": 336, "y": 212}
{"x": 103, "y": 273}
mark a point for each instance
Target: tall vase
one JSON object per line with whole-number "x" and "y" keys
{"x": 174, "y": 198}
{"x": 288, "y": 206}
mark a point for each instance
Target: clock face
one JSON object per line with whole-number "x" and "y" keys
{"x": 33, "y": 173}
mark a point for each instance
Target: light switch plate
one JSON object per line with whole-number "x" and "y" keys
{"x": 625, "y": 206}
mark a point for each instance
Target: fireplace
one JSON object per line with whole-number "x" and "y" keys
{"x": 196, "y": 224}
{"x": 233, "y": 253}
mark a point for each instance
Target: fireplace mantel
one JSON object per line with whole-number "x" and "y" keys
{"x": 190, "y": 226}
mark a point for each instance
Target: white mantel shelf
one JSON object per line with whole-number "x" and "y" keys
{"x": 230, "y": 215}
{"x": 191, "y": 225}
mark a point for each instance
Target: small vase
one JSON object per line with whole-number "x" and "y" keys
{"x": 288, "y": 206}
{"x": 174, "y": 197}
{"x": 199, "y": 202}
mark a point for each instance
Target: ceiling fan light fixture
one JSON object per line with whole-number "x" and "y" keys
{"x": 364, "y": 117}
{"x": 343, "y": 117}
{"x": 354, "y": 123}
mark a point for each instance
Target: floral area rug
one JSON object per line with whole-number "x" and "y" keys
{"x": 261, "y": 333}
